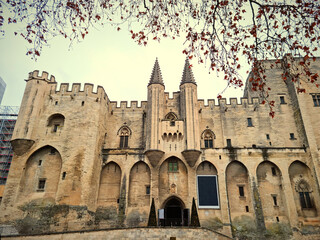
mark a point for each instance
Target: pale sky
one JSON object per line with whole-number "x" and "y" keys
{"x": 108, "y": 58}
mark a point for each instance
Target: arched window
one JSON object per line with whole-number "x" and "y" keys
{"x": 124, "y": 137}
{"x": 304, "y": 191}
{"x": 208, "y": 137}
{"x": 56, "y": 121}
{"x": 172, "y": 117}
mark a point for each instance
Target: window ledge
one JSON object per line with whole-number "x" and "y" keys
{"x": 40, "y": 190}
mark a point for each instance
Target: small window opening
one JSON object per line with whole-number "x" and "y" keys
{"x": 172, "y": 123}
{"x": 270, "y": 143}
{"x": 41, "y": 184}
{"x": 254, "y": 146}
{"x": 148, "y": 189}
{"x": 275, "y": 202}
{"x": 55, "y": 127}
{"x": 82, "y": 103}
{"x": 241, "y": 191}
{"x": 56, "y": 103}
{"x": 64, "y": 175}
{"x": 118, "y": 200}
{"x": 40, "y": 163}
{"x": 247, "y": 208}
{"x": 274, "y": 172}
{"x": 277, "y": 218}
{"x": 268, "y": 136}
{"x": 249, "y": 122}
{"x": 316, "y": 100}
{"x": 282, "y": 101}
{"x": 220, "y": 157}
{"x": 229, "y": 143}
{"x": 292, "y": 136}
{"x": 52, "y": 151}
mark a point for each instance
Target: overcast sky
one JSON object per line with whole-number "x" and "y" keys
{"x": 108, "y": 58}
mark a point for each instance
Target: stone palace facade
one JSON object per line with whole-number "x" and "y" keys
{"x": 82, "y": 161}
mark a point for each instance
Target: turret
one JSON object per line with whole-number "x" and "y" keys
{"x": 189, "y": 112}
{"x": 154, "y": 114}
{"x": 31, "y": 106}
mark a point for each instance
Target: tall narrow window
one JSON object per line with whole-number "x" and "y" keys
{"x": 124, "y": 137}
{"x": 208, "y": 139}
{"x": 274, "y": 172}
{"x": 292, "y": 136}
{"x": 282, "y": 101}
{"x": 148, "y": 190}
{"x": 249, "y": 122}
{"x": 241, "y": 191}
{"x": 268, "y": 136}
{"x": 55, "y": 127}
{"x": 304, "y": 194}
{"x": 229, "y": 143}
{"x": 316, "y": 100}
{"x": 41, "y": 184}
{"x": 275, "y": 202}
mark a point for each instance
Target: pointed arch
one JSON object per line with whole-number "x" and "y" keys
{"x": 238, "y": 190}
{"x": 302, "y": 186}
{"x": 206, "y": 168}
{"x": 41, "y": 174}
{"x": 124, "y": 133}
{"x": 207, "y": 137}
{"x": 171, "y": 116}
{"x": 173, "y": 178}
{"x": 207, "y": 186}
{"x": 110, "y": 182}
{"x": 271, "y": 191}
{"x": 139, "y": 185}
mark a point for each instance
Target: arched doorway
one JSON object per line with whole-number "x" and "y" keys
{"x": 174, "y": 213}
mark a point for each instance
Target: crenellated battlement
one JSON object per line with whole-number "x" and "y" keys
{"x": 44, "y": 76}
{"x": 124, "y": 105}
{"x": 77, "y": 90}
{"x": 233, "y": 102}
{"x": 175, "y": 96}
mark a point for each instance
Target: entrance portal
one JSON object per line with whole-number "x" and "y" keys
{"x": 175, "y": 214}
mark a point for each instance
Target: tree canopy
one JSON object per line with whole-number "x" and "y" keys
{"x": 216, "y": 32}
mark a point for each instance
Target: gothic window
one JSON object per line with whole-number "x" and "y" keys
{"x": 316, "y": 100}
{"x": 304, "y": 194}
{"x": 124, "y": 137}
{"x": 208, "y": 137}
{"x": 172, "y": 117}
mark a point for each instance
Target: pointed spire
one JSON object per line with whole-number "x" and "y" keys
{"x": 187, "y": 76}
{"x": 156, "y": 76}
